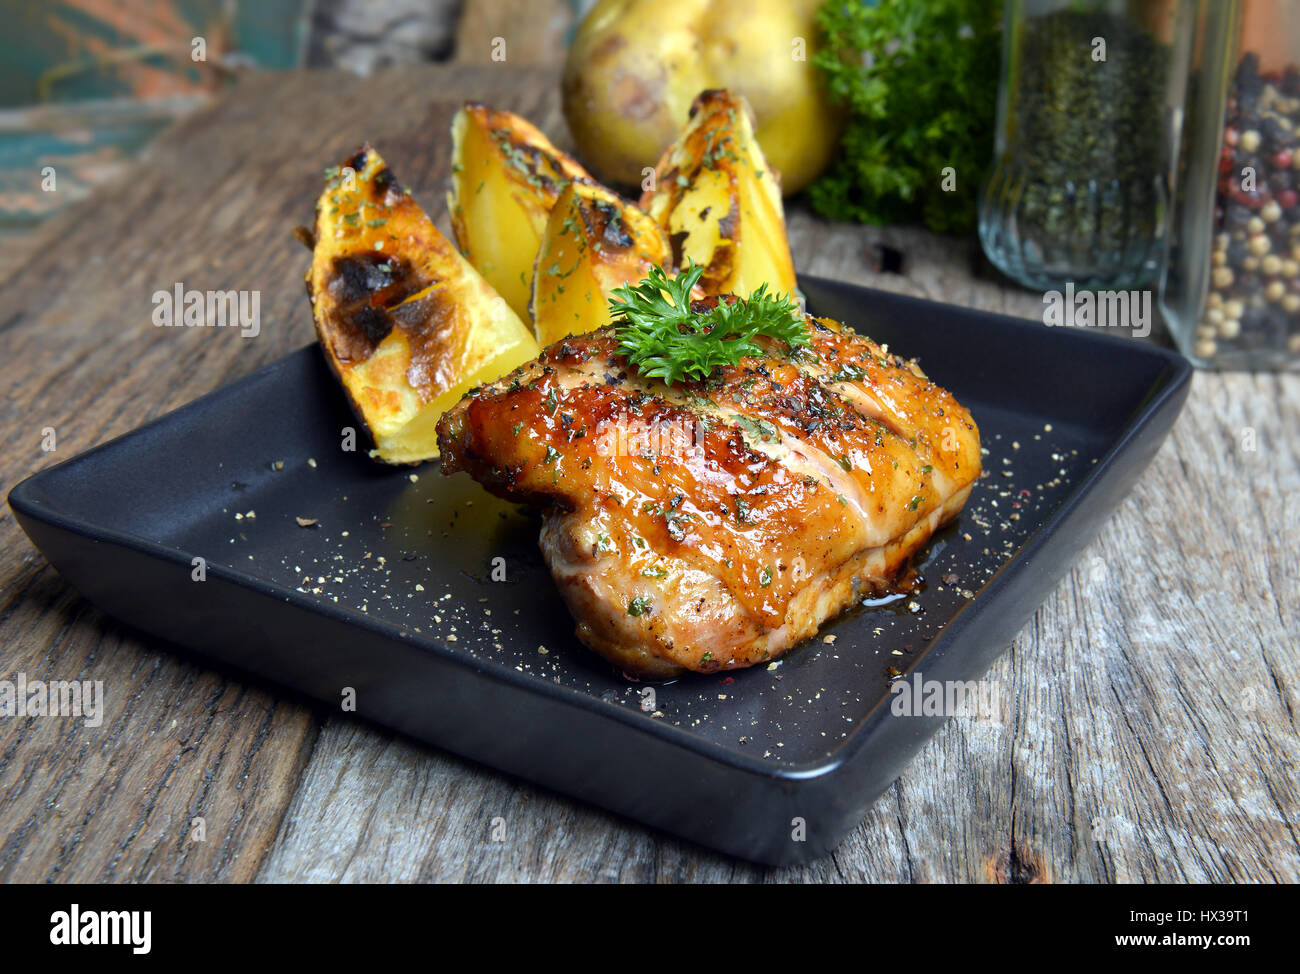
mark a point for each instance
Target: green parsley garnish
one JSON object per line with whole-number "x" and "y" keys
{"x": 664, "y": 339}
{"x": 639, "y": 606}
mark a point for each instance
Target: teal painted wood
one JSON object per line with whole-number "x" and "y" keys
{"x": 101, "y": 75}
{"x": 91, "y": 51}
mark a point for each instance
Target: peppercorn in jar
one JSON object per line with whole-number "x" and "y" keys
{"x": 1231, "y": 289}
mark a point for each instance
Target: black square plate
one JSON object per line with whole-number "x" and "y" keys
{"x": 395, "y": 591}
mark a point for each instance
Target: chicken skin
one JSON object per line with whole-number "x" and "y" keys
{"x": 712, "y": 525}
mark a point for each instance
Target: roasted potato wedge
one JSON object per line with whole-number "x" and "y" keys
{"x": 719, "y": 203}
{"x": 405, "y": 322}
{"x": 506, "y": 177}
{"x": 594, "y": 242}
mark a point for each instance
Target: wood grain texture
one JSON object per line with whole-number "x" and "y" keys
{"x": 528, "y": 34}
{"x": 1151, "y": 729}
{"x": 13, "y": 251}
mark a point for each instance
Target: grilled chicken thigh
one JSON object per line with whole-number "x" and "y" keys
{"x": 713, "y": 525}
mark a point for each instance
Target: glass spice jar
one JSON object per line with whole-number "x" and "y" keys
{"x": 1088, "y": 116}
{"x": 1230, "y": 293}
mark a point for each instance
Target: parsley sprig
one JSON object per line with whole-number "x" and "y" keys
{"x": 664, "y": 339}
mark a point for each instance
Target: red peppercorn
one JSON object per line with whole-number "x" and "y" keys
{"x": 1230, "y": 135}
{"x": 1250, "y": 200}
{"x": 1281, "y": 159}
{"x": 1287, "y": 198}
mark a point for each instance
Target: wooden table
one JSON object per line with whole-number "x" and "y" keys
{"x": 1153, "y": 734}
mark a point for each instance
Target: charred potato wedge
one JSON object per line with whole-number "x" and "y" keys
{"x": 719, "y": 203}
{"x": 594, "y": 242}
{"x": 506, "y": 177}
{"x": 406, "y": 323}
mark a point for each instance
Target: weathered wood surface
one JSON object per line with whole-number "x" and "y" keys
{"x": 528, "y": 34}
{"x": 1153, "y": 729}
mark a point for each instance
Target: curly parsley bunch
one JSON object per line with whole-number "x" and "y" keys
{"x": 919, "y": 79}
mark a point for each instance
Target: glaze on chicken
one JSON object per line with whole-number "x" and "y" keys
{"x": 713, "y": 525}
